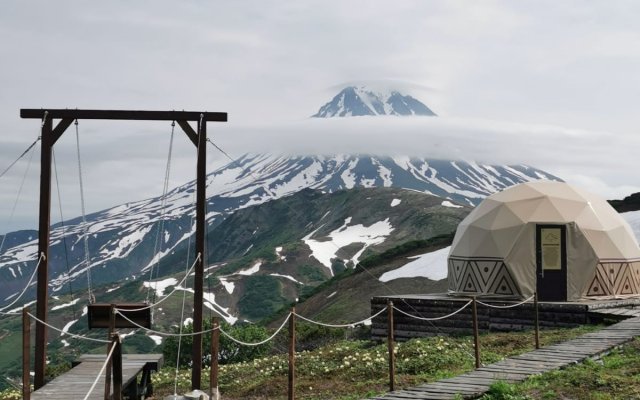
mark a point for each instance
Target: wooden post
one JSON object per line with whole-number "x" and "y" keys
{"x": 292, "y": 355}
{"x": 43, "y": 251}
{"x": 198, "y": 281}
{"x": 390, "y": 336}
{"x": 117, "y": 367}
{"x": 476, "y": 339}
{"x": 26, "y": 354}
{"x": 112, "y": 330}
{"x": 215, "y": 349}
{"x": 536, "y": 322}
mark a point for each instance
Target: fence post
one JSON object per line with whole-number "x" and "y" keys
{"x": 112, "y": 329}
{"x": 390, "y": 336}
{"x": 536, "y": 321}
{"x": 476, "y": 339}
{"x": 26, "y": 354}
{"x": 117, "y": 367}
{"x": 215, "y": 349}
{"x": 292, "y": 354}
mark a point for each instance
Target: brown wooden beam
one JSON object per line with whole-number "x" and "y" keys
{"x": 193, "y": 136}
{"x": 43, "y": 251}
{"x": 201, "y": 198}
{"x": 137, "y": 115}
{"x": 59, "y": 129}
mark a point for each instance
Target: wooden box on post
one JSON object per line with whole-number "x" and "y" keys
{"x": 138, "y": 314}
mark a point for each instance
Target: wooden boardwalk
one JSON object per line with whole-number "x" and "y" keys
{"x": 75, "y": 383}
{"x": 516, "y": 369}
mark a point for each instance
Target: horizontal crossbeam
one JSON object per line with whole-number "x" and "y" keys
{"x": 136, "y": 115}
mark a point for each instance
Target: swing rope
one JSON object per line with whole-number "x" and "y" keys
{"x": 184, "y": 293}
{"x": 19, "y": 193}
{"x": 160, "y": 230}
{"x": 85, "y": 227}
{"x": 64, "y": 234}
{"x": 24, "y": 153}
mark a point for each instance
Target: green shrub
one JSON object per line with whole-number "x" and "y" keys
{"x": 229, "y": 351}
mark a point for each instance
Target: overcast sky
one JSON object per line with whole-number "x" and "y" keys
{"x": 552, "y": 84}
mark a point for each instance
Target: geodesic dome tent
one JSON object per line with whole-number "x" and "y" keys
{"x": 548, "y": 237}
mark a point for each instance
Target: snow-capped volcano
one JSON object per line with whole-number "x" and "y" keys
{"x": 355, "y": 101}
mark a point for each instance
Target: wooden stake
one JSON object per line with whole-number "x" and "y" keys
{"x": 26, "y": 354}
{"x": 117, "y": 367}
{"x": 535, "y": 319}
{"x": 476, "y": 339}
{"x": 44, "y": 220}
{"x": 198, "y": 280}
{"x": 215, "y": 349}
{"x": 112, "y": 330}
{"x": 390, "y": 336}
{"x": 292, "y": 354}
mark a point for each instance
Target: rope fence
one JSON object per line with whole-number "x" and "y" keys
{"x": 435, "y": 318}
{"x": 66, "y": 333}
{"x": 290, "y": 320}
{"x": 352, "y": 325}
{"x": 507, "y": 306}
{"x": 33, "y": 275}
{"x": 261, "y": 342}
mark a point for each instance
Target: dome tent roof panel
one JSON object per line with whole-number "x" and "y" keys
{"x": 547, "y": 212}
{"x": 525, "y": 192}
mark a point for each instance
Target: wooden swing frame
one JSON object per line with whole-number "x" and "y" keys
{"x": 49, "y": 136}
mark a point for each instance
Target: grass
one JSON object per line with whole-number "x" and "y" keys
{"x": 358, "y": 369}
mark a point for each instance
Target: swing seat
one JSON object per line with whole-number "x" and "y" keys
{"x": 99, "y": 315}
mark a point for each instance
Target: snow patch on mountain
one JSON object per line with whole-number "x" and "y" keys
{"x": 160, "y": 286}
{"x": 209, "y": 301}
{"x": 324, "y": 249}
{"x": 250, "y": 271}
{"x": 430, "y": 265}
{"x": 229, "y": 286}
{"x": 395, "y": 202}
{"x": 447, "y": 203}
{"x": 291, "y": 278}
{"x": 61, "y": 306}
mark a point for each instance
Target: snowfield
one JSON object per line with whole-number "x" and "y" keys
{"x": 430, "y": 265}
{"x": 324, "y": 250}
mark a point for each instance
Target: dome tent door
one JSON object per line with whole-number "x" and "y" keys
{"x": 551, "y": 262}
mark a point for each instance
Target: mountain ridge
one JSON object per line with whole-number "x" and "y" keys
{"x": 355, "y": 101}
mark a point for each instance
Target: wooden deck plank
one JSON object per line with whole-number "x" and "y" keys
{"x": 518, "y": 368}
{"x": 76, "y": 382}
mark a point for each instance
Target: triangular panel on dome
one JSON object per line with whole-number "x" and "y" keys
{"x": 570, "y": 209}
{"x": 487, "y": 269}
{"x": 504, "y": 284}
{"x": 627, "y": 285}
{"x": 457, "y": 268}
{"x": 525, "y": 208}
{"x": 525, "y": 191}
{"x": 547, "y": 212}
{"x": 506, "y": 238}
{"x": 470, "y": 282}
